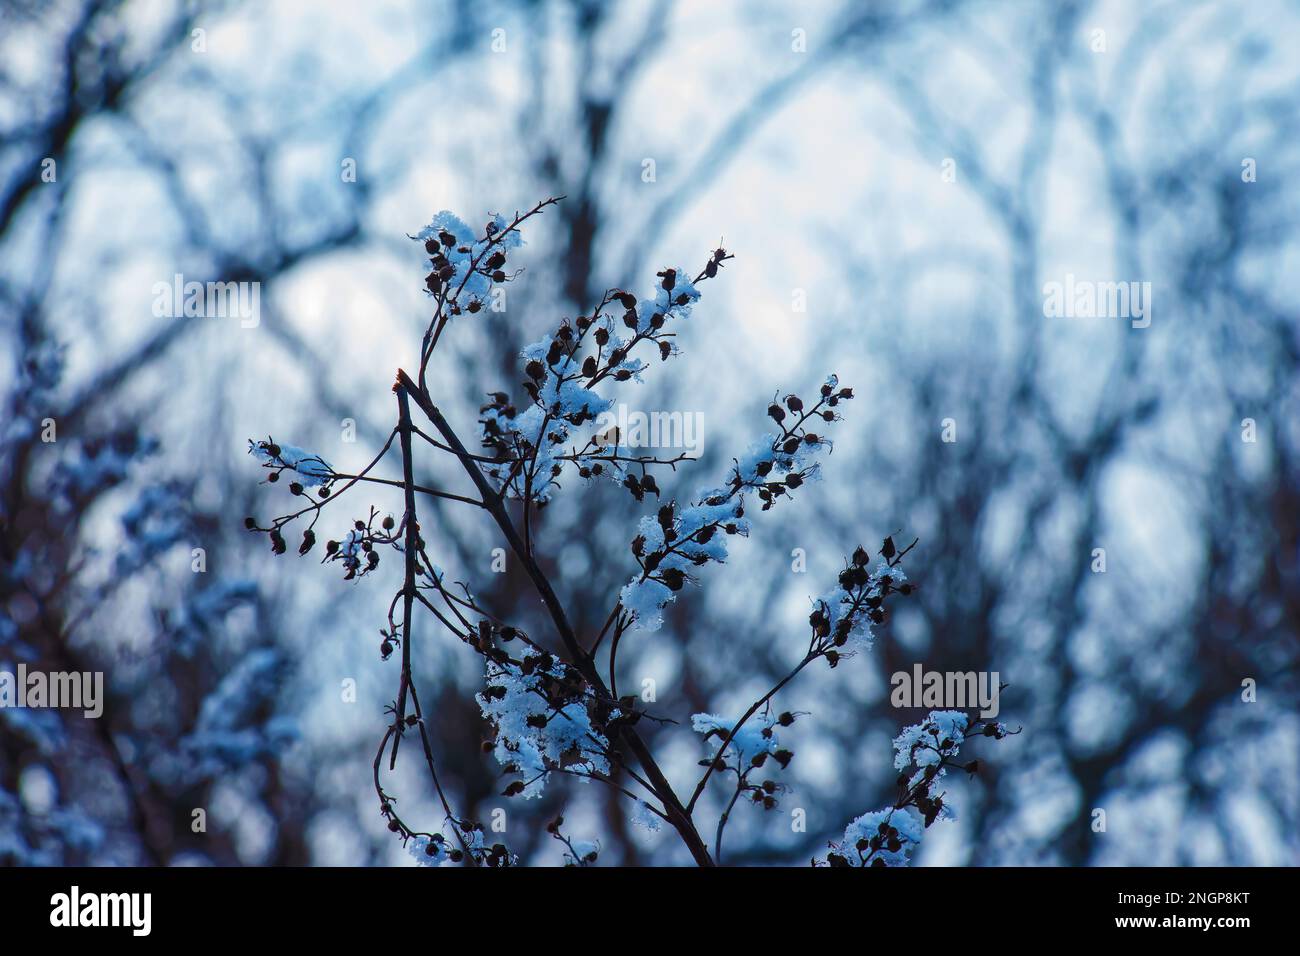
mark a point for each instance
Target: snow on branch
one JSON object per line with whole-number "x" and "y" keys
{"x": 550, "y": 711}
{"x": 311, "y": 469}
{"x": 670, "y": 543}
{"x": 534, "y": 442}
{"x": 923, "y": 752}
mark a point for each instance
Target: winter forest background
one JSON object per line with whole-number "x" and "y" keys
{"x": 898, "y": 182}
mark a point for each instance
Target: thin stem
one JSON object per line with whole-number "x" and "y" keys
{"x": 619, "y": 628}
{"x": 412, "y": 567}
{"x": 618, "y": 606}
{"x": 432, "y": 492}
{"x": 722, "y": 820}
{"x": 316, "y": 506}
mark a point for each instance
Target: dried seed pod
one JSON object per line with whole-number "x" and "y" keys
{"x": 673, "y": 578}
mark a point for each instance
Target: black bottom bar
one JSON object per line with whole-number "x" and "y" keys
{"x": 337, "y": 905}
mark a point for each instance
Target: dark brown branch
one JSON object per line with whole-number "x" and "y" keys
{"x": 412, "y": 565}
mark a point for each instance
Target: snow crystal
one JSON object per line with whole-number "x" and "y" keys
{"x": 419, "y": 847}
{"x": 566, "y": 738}
{"x": 907, "y": 822}
{"x": 757, "y": 736}
{"x": 840, "y": 604}
{"x": 923, "y": 744}
{"x": 666, "y": 300}
{"x": 646, "y": 597}
{"x": 646, "y": 601}
{"x": 646, "y": 818}
{"x": 476, "y": 285}
{"x": 313, "y": 469}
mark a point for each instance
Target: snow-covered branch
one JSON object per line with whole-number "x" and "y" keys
{"x": 547, "y": 707}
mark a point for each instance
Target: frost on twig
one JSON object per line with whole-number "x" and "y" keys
{"x": 533, "y": 444}
{"x": 449, "y": 241}
{"x": 755, "y": 742}
{"x": 311, "y": 470}
{"x": 923, "y": 753}
{"x": 545, "y": 718}
{"x": 670, "y": 542}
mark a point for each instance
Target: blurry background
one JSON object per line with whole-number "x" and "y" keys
{"x": 898, "y": 181}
